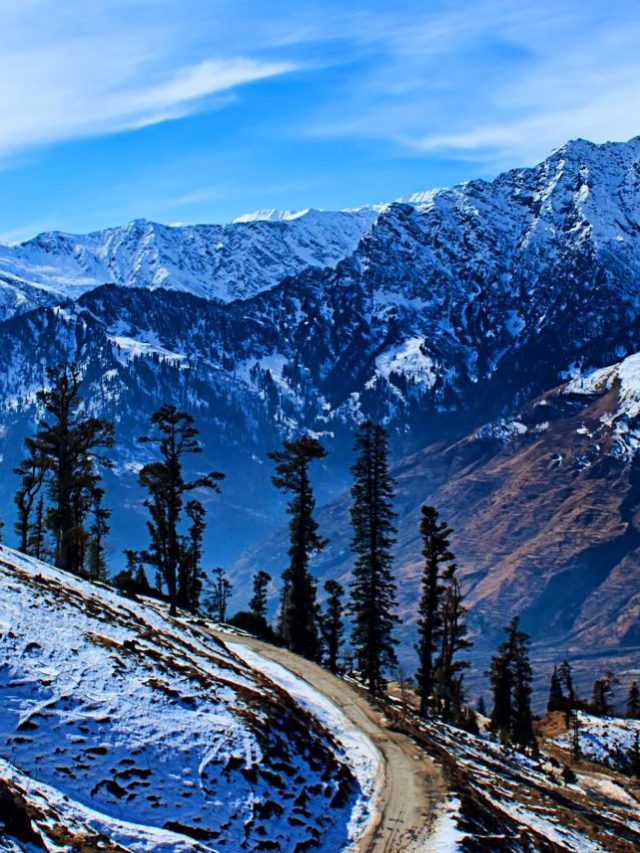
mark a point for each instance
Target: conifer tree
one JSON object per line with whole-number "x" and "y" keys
{"x": 633, "y": 702}
{"x": 283, "y": 610}
{"x": 217, "y": 599}
{"x": 190, "y": 569}
{"x": 449, "y": 669}
{"x": 565, "y": 677}
{"x": 36, "y": 541}
{"x": 602, "y": 698}
{"x": 174, "y": 435}
{"x": 574, "y": 726}
{"x": 373, "y": 589}
{"x": 97, "y": 562}
{"x": 437, "y": 557}
{"x": 500, "y": 676}
{"x": 68, "y": 446}
{"x": 332, "y": 623}
{"x": 522, "y": 731}
{"x": 258, "y": 602}
{"x": 633, "y": 761}
{"x": 132, "y": 579}
{"x": 511, "y": 679}
{"x": 299, "y": 612}
{"x": 557, "y": 701}
{"x": 32, "y": 473}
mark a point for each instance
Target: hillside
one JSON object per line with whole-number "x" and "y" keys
{"x": 221, "y": 262}
{"x": 544, "y": 507}
{"x": 124, "y": 730}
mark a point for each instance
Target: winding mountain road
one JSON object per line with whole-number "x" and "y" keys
{"x": 411, "y": 784}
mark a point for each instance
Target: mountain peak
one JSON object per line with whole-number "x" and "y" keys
{"x": 272, "y": 214}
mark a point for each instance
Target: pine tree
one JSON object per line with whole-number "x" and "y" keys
{"x": 481, "y": 707}
{"x": 332, "y": 623}
{"x": 602, "y": 699}
{"x": 373, "y": 589}
{"x": 557, "y": 701}
{"x": 258, "y": 602}
{"x": 299, "y": 613}
{"x": 633, "y": 702}
{"x": 132, "y": 580}
{"x": 574, "y": 725}
{"x": 283, "y": 610}
{"x": 97, "y": 562}
{"x": 441, "y": 627}
{"x": 449, "y": 669}
{"x": 32, "y": 473}
{"x": 565, "y": 677}
{"x": 190, "y": 569}
{"x": 500, "y": 676}
{"x": 511, "y": 678}
{"x": 522, "y": 729}
{"x": 36, "y": 541}
{"x": 67, "y": 444}
{"x": 633, "y": 761}
{"x": 174, "y": 435}
{"x": 217, "y": 599}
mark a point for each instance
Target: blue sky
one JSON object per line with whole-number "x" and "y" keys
{"x": 200, "y": 110}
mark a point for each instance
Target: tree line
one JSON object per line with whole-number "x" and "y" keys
{"x": 370, "y": 607}
{"x": 61, "y": 516}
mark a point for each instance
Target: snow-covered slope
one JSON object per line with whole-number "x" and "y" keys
{"x": 506, "y": 801}
{"x": 117, "y": 721}
{"x": 583, "y": 198}
{"x": 605, "y": 740}
{"x": 215, "y": 261}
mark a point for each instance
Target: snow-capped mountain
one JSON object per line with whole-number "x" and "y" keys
{"x": 214, "y": 261}
{"x": 438, "y": 314}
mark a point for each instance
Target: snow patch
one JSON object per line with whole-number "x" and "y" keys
{"x": 409, "y": 359}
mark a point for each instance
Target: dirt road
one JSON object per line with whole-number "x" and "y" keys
{"x": 411, "y": 784}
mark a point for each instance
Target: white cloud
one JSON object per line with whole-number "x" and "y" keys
{"x": 491, "y": 80}
{"x": 487, "y": 79}
{"x": 70, "y": 70}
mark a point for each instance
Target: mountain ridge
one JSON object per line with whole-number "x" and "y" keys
{"x": 235, "y": 260}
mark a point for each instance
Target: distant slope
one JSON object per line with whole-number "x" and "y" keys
{"x": 119, "y": 722}
{"x": 545, "y": 507}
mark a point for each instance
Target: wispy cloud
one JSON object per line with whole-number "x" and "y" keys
{"x": 492, "y": 81}
{"x": 590, "y": 89}
{"x": 485, "y": 79}
{"x": 68, "y": 72}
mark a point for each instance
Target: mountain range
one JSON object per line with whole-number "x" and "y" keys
{"x": 492, "y": 327}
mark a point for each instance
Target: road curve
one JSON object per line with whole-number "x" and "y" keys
{"x": 411, "y": 786}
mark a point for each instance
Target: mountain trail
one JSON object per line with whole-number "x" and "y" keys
{"x": 411, "y": 786}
